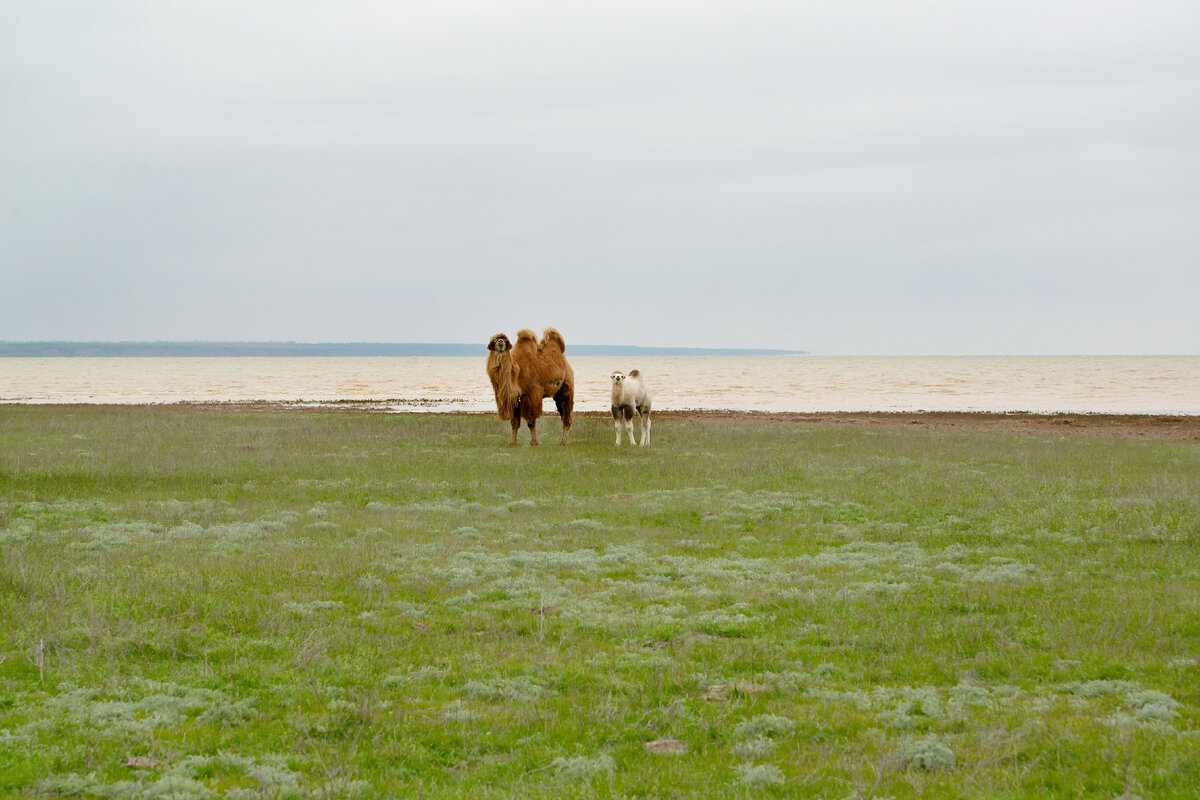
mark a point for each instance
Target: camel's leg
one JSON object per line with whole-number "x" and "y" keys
{"x": 516, "y": 426}
{"x": 616, "y": 415}
{"x": 628, "y": 411}
{"x": 564, "y": 401}
{"x": 531, "y": 409}
{"x": 645, "y": 427}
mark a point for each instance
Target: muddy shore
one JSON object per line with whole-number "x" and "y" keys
{"x": 1151, "y": 427}
{"x": 1124, "y": 426}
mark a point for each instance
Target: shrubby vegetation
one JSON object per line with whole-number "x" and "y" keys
{"x": 203, "y": 602}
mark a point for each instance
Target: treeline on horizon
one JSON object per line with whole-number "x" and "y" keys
{"x": 278, "y": 349}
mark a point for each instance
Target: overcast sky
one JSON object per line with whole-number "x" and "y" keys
{"x": 838, "y": 177}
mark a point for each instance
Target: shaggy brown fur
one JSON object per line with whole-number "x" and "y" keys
{"x": 503, "y": 371}
{"x": 538, "y": 370}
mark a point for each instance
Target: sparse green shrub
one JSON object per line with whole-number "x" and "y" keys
{"x": 583, "y": 768}
{"x": 520, "y": 689}
{"x": 758, "y": 775}
{"x": 344, "y": 789}
{"x": 275, "y": 780}
{"x": 1100, "y": 688}
{"x": 754, "y": 749}
{"x": 459, "y": 712}
{"x": 227, "y": 713}
{"x": 971, "y": 696}
{"x": 764, "y": 725}
{"x": 176, "y": 787}
{"x": 929, "y": 754}
{"x": 1152, "y": 706}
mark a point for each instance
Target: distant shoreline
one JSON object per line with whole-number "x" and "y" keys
{"x": 331, "y": 350}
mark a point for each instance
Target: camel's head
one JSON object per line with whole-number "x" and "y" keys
{"x": 617, "y": 377}
{"x": 499, "y": 343}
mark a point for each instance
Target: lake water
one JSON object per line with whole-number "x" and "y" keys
{"x": 1089, "y": 384}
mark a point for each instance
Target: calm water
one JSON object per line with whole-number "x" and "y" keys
{"x": 1105, "y": 384}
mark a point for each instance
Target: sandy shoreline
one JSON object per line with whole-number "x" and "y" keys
{"x": 1155, "y": 427}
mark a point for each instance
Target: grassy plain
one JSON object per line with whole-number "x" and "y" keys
{"x": 203, "y": 602}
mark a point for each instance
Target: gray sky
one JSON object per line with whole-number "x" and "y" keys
{"x": 840, "y": 177}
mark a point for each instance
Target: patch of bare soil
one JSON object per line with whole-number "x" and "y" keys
{"x": 1151, "y": 427}
{"x": 1120, "y": 426}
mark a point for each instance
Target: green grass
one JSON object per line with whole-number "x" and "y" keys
{"x": 201, "y": 602}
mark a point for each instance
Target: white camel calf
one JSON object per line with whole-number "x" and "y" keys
{"x": 629, "y": 395}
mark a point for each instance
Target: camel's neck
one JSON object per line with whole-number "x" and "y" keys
{"x": 504, "y": 365}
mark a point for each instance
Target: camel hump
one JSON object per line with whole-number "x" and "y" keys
{"x": 526, "y": 335}
{"x": 633, "y": 373}
{"x": 552, "y": 335}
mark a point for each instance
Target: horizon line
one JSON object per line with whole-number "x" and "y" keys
{"x": 50, "y": 347}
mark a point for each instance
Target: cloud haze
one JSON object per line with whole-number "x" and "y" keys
{"x": 852, "y": 177}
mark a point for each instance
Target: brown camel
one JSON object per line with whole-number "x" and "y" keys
{"x": 524, "y": 374}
